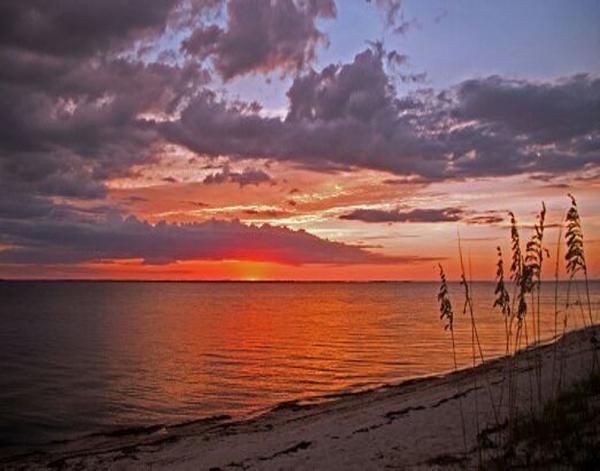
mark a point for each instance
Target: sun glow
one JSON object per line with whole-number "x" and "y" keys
{"x": 252, "y": 271}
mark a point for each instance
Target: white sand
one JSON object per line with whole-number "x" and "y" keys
{"x": 396, "y": 427}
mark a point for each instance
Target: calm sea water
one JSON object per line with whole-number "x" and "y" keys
{"x": 82, "y": 357}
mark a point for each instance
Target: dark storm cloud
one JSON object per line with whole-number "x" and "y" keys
{"x": 70, "y": 106}
{"x": 65, "y": 239}
{"x": 543, "y": 112}
{"x": 262, "y": 35}
{"x": 519, "y": 126}
{"x": 23, "y": 206}
{"x": 67, "y": 136}
{"x": 248, "y": 176}
{"x": 349, "y": 116}
{"x": 397, "y": 215}
{"x": 74, "y": 27}
{"x": 344, "y": 116}
{"x": 75, "y": 113}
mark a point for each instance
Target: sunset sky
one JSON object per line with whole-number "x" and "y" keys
{"x": 291, "y": 139}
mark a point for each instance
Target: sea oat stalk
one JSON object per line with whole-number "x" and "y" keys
{"x": 575, "y": 256}
{"x": 447, "y": 315}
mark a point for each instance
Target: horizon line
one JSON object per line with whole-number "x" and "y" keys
{"x": 230, "y": 280}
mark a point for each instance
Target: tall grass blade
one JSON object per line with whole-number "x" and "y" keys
{"x": 447, "y": 315}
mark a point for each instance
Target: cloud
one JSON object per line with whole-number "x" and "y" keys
{"x": 199, "y": 204}
{"x": 69, "y": 124}
{"x": 542, "y": 112}
{"x": 266, "y": 213}
{"x": 69, "y": 238}
{"x": 397, "y": 215}
{"x": 394, "y": 16}
{"x": 424, "y": 215}
{"x": 342, "y": 117}
{"x": 248, "y": 176}
{"x": 349, "y": 116}
{"x": 261, "y": 36}
{"x": 77, "y": 28}
{"x": 23, "y": 206}
{"x": 76, "y": 99}
{"x": 80, "y": 107}
{"x": 490, "y": 219}
{"x": 74, "y": 118}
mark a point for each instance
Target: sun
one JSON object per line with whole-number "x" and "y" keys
{"x": 252, "y": 271}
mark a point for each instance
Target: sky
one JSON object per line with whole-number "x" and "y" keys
{"x": 293, "y": 139}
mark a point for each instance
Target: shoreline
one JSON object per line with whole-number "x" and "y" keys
{"x": 409, "y": 423}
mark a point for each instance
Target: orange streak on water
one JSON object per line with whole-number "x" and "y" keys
{"x": 117, "y": 354}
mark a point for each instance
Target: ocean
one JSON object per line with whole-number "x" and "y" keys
{"x": 85, "y": 357}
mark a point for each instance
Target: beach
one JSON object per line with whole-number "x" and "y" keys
{"x": 412, "y": 425}
{"x": 299, "y": 235}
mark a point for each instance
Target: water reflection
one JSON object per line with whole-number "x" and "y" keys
{"x": 81, "y": 357}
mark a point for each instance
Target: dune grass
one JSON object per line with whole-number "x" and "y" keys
{"x": 447, "y": 315}
{"x": 544, "y": 424}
